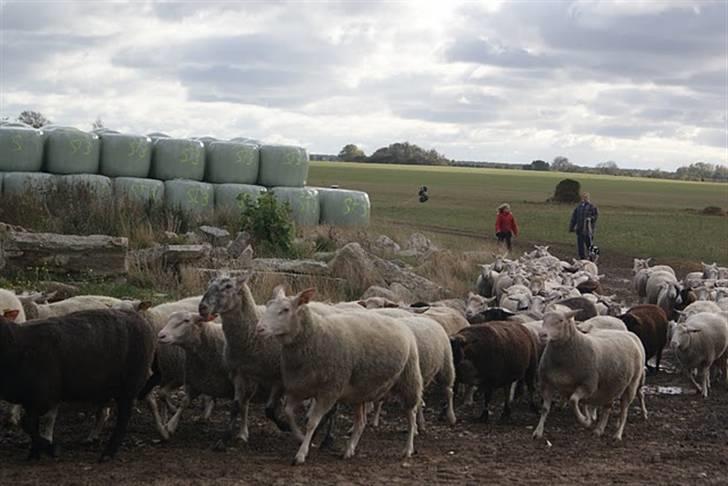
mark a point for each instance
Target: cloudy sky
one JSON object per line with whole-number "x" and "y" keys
{"x": 640, "y": 82}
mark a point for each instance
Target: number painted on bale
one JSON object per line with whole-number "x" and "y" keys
{"x": 351, "y": 204}
{"x": 18, "y": 142}
{"x": 77, "y": 144}
{"x": 138, "y": 149}
{"x": 198, "y": 197}
{"x": 190, "y": 156}
{"x": 242, "y": 160}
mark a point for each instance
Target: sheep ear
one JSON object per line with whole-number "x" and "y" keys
{"x": 490, "y": 300}
{"x": 11, "y": 314}
{"x": 279, "y": 292}
{"x": 305, "y": 296}
{"x": 243, "y": 278}
{"x": 51, "y": 297}
{"x": 362, "y": 303}
{"x": 572, "y": 313}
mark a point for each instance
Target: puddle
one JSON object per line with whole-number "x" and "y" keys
{"x": 668, "y": 390}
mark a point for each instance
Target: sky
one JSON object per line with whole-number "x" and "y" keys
{"x": 643, "y": 83}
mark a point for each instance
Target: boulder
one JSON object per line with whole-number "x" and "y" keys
{"x": 355, "y": 266}
{"x": 386, "y": 245}
{"x": 419, "y": 244}
{"x": 401, "y": 292}
{"x": 377, "y": 291}
{"x": 304, "y": 267}
{"x": 216, "y": 236}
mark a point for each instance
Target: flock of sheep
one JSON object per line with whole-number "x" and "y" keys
{"x": 537, "y": 323}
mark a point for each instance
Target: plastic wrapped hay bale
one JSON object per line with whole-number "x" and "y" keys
{"x": 340, "y": 207}
{"x": 137, "y": 190}
{"x": 21, "y": 149}
{"x": 195, "y": 199}
{"x": 304, "y": 202}
{"x": 17, "y": 183}
{"x": 232, "y": 163}
{"x": 226, "y": 195}
{"x": 283, "y": 165}
{"x": 155, "y": 135}
{"x": 125, "y": 155}
{"x": 71, "y": 151}
{"x": 207, "y": 140}
{"x": 99, "y": 185}
{"x": 178, "y": 158}
{"x": 246, "y": 140}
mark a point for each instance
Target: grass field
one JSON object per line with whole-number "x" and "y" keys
{"x": 638, "y": 217}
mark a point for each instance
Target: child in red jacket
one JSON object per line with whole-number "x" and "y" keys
{"x": 505, "y": 225}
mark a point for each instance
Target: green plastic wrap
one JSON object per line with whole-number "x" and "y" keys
{"x": 304, "y": 202}
{"x": 125, "y": 155}
{"x": 71, "y": 151}
{"x": 177, "y": 158}
{"x": 340, "y": 207}
{"x": 138, "y": 190}
{"x": 16, "y": 183}
{"x": 226, "y": 195}
{"x": 232, "y": 163}
{"x": 21, "y": 149}
{"x": 195, "y": 199}
{"x": 100, "y": 185}
{"x": 282, "y": 165}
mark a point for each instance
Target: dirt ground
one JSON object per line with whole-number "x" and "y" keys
{"x": 685, "y": 441}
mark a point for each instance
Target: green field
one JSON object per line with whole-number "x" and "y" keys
{"x": 638, "y": 217}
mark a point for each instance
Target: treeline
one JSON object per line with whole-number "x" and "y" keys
{"x": 407, "y": 153}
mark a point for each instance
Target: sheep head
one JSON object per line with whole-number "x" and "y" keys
{"x": 559, "y": 326}
{"x": 282, "y": 317}
{"x": 223, "y": 294}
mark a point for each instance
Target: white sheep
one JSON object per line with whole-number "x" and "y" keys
{"x": 697, "y": 307}
{"x": 205, "y": 373}
{"x": 601, "y": 323}
{"x": 700, "y": 343}
{"x": 66, "y": 306}
{"x": 11, "y": 307}
{"x": 595, "y": 369}
{"x": 349, "y": 357}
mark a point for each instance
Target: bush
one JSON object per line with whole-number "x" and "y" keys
{"x": 269, "y": 224}
{"x": 567, "y": 191}
{"x": 713, "y": 211}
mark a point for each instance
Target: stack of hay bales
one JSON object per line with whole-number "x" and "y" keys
{"x": 196, "y": 176}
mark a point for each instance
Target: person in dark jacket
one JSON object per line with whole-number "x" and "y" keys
{"x": 583, "y": 223}
{"x": 505, "y": 225}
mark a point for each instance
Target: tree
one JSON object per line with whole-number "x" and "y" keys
{"x": 537, "y": 165}
{"x": 562, "y": 164}
{"x": 97, "y": 124}
{"x": 608, "y": 167}
{"x": 33, "y": 118}
{"x": 407, "y": 153}
{"x": 352, "y": 153}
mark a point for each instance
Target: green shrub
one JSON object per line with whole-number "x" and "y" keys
{"x": 269, "y": 224}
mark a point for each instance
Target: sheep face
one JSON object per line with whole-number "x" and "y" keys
{"x": 222, "y": 295}
{"x": 681, "y": 336}
{"x": 282, "y": 318}
{"x": 640, "y": 264}
{"x": 710, "y": 271}
{"x": 559, "y": 325}
{"x": 182, "y": 328}
{"x": 476, "y": 304}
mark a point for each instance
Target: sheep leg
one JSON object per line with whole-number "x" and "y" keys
{"x": 410, "y": 447}
{"x": 377, "y": 414}
{"x": 123, "y": 414}
{"x": 49, "y": 425}
{"x": 101, "y": 415}
{"x": 421, "y": 417}
{"x": 320, "y": 407}
{"x": 469, "y": 395}
{"x": 290, "y": 411}
{"x": 174, "y": 421}
{"x": 624, "y": 409}
{"x": 360, "y": 421}
{"x": 330, "y": 420}
{"x": 507, "y": 402}
{"x": 16, "y": 413}
{"x": 243, "y": 433}
{"x": 274, "y": 400}
{"x": 450, "y": 407}
{"x": 695, "y": 383}
{"x": 158, "y": 422}
{"x": 209, "y": 405}
{"x": 31, "y": 425}
{"x": 583, "y": 419}
{"x": 705, "y": 375}
{"x": 602, "y": 423}
{"x": 486, "y": 400}
{"x": 545, "y": 409}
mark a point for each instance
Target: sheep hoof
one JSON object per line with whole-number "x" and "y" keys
{"x": 298, "y": 460}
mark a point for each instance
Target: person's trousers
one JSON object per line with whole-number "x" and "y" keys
{"x": 583, "y": 242}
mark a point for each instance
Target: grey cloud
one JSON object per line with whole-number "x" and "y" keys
{"x": 481, "y": 51}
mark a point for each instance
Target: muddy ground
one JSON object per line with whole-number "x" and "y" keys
{"x": 685, "y": 441}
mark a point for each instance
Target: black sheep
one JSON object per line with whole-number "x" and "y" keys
{"x": 88, "y": 356}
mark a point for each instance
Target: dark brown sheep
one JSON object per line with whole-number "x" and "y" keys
{"x": 649, "y": 323}
{"x": 495, "y": 355}
{"x": 88, "y": 356}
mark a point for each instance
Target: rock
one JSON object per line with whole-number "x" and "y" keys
{"x": 98, "y": 255}
{"x": 193, "y": 238}
{"x": 419, "y": 243}
{"x": 401, "y": 292}
{"x": 355, "y": 266}
{"x": 219, "y": 254}
{"x": 60, "y": 291}
{"x": 386, "y": 244}
{"x": 377, "y": 291}
{"x": 216, "y": 236}
{"x": 176, "y": 254}
{"x": 420, "y": 287}
{"x": 305, "y": 267}
{"x": 324, "y": 256}
{"x": 238, "y": 245}
{"x": 170, "y": 236}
